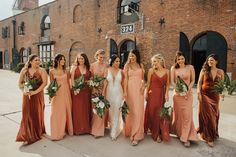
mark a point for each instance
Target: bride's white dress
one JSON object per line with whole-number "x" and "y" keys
{"x": 114, "y": 95}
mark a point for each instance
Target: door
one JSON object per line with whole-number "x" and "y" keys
{"x": 124, "y": 51}
{"x": 1, "y": 65}
{"x": 184, "y": 46}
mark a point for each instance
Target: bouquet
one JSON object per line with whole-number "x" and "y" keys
{"x": 220, "y": 87}
{"x": 30, "y": 84}
{"x": 95, "y": 81}
{"x": 181, "y": 87}
{"x": 124, "y": 110}
{"x": 79, "y": 83}
{"x": 166, "y": 111}
{"x": 53, "y": 88}
{"x": 100, "y": 105}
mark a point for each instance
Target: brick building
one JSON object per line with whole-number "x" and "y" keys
{"x": 196, "y": 27}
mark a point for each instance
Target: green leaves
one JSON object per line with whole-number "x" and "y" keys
{"x": 166, "y": 112}
{"x": 124, "y": 110}
{"x": 53, "y": 88}
{"x": 181, "y": 86}
{"x": 100, "y": 105}
{"x": 79, "y": 83}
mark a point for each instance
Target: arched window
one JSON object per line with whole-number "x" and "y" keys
{"x": 77, "y": 14}
{"x": 127, "y": 11}
{"x": 45, "y": 26}
{"x": 126, "y": 46}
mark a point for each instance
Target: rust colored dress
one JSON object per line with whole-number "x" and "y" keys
{"x": 32, "y": 123}
{"x": 134, "y": 126}
{"x": 81, "y": 107}
{"x": 209, "y": 108}
{"x": 155, "y": 102}
{"x": 182, "y": 124}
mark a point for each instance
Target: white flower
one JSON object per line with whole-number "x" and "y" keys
{"x": 185, "y": 88}
{"x": 54, "y": 88}
{"x": 166, "y": 105}
{"x": 101, "y": 104}
{"x": 30, "y": 87}
{"x": 183, "y": 93}
{"x": 94, "y": 111}
{"x": 95, "y": 100}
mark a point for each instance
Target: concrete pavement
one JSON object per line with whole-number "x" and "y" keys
{"x": 87, "y": 146}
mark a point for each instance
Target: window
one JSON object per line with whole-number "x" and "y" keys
{"x": 46, "y": 52}
{"x": 77, "y": 14}
{"x": 45, "y": 26}
{"x": 5, "y": 32}
{"x": 127, "y": 11}
{"x": 21, "y": 29}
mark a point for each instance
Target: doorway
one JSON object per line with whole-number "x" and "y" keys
{"x": 124, "y": 51}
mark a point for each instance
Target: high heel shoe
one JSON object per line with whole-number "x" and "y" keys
{"x": 210, "y": 144}
{"x": 187, "y": 144}
{"x": 134, "y": 143}
{"x": 159, "y": 140}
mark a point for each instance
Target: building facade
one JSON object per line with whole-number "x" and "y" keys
{"x": 196, "y": 27}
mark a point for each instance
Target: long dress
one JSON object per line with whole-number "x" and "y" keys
{"x": 182, "y": 124}
{"x": 32, "y": 123}
{"x": 114, "y": 95}
{"x": 61, "y": 119}
{"x": 98, "y": 123}
{"x": 209, "y": 108}
{"x": 134, "y": 126}
{"x": 155, "y": 102}
{"x": 81, "y": 107}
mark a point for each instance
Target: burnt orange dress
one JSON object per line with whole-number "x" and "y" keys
{"x": 81, "y": 107}
{"x": 209, "y": 108}
{"x": 32, "y": 123}
{"x": 155, "y": 102}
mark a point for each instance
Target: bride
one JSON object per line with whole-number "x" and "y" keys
{"x": 113, "y": 92}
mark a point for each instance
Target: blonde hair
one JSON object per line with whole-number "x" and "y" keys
{"x": 100, "y": 51}
{"x": 161, "y": 58}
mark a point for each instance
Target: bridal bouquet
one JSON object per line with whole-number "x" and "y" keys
{"x": 30, "y": 84}
{"x": 53, "y": 88}
{"x": 100, "y": 105}
{"x": 95, "y": 81}
{"x": 220, "y": 87}
{"x": 124, "y": 110}
{"x": 181, "y": 87}
{"x": 79, "y": 83}
{"x": 166, "y": 111}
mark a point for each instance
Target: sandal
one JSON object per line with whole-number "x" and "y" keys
{"x": 210, "y": 144}
{"x": 134, "y": 143}
{"x": 187, "y": 144}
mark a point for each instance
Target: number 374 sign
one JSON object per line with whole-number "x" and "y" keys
{"x": 128, "y": 28}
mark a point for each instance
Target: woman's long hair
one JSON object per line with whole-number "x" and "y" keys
{"x": 178, "y": 54}
{"x": 30, "y": 59}
{"x": 86, "y": 61}
{"x": 112, "y": 59}
{"x": 161, "y": 58}
{"x": 137, "y": 54}
{"x": 57, "y": 59}
{"x": 206, "y": 68}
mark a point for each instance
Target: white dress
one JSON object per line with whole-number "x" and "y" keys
{"x": 114, "y": 95}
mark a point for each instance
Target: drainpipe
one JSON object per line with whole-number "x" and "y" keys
{"x": 14, "y": 32}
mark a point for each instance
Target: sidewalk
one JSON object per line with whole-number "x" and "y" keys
{"x": 87, "y": 146}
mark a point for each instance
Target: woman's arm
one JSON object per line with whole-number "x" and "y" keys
{"x": 167, "y": 85}
{"x": 172, "y": 77}
{"x": 105, "y": 84}
{"x": 192, "y": 77}
{"x": 21, "y": 79}
{"x": 199, "y": 85}
{"x": 126, "y": 78}
{"x": 72, "y": 74}
{"x": 150, "y": 72}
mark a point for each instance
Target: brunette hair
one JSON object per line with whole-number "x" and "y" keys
{"x": 178, "y": 54}
{"x": 30, "y": 59}
{"x": 206, "y": 67}
{"x": 137, "y": 54}
{"x": 57, "y": 59}
{"x": 112, "y": 59}
{"x": 86, "y": 61}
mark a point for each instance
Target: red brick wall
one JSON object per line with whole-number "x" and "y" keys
{"x": 189, "y": 16}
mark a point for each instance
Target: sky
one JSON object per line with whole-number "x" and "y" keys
{"x": 6, "y": 7}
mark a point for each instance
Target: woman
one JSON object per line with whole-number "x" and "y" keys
{"x": 182, "y": 124}
{"x": 81, "y": 100}
{"x": 32, "y": 123}
{"x": 157, "y": 95}
{"x": 209, "y": 100}
{"x": 99, "y": 68}
{"x": 61, "y": 120}
{"x": 113, "y": 91}
{"x": 134, "y": 93}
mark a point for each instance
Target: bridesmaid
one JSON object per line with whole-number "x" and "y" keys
{"x": 99, "y": 68}
{"x": 208, "y": 100}
{"x": 134, "y": 93}
{"x": 182, "y": 124}
{"x": 61, "y": 120}
{"x": 114, "y": 93}
{"x": 81, "y": 101}
{"x": 157, "y": 95}
{"x": 32, "y": 122}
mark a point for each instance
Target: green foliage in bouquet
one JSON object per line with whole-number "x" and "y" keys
{"x": 181, "y": 86}
{"x": 53, "y": 88}
{"x": 230, "y": 85}
{"x": 100, "y": 105}
{"x": 79, "y": 83}
{"x": 219, "y": 87}
{"x": 166, "y": 112}
{"x": 31, "y": 84}
{"x": 124, "y": 110}
{"x": 95, "y": 81}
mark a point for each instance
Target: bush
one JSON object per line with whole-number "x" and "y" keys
{"x": 47, "y": 65}
{"x": 19, "y": 67}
